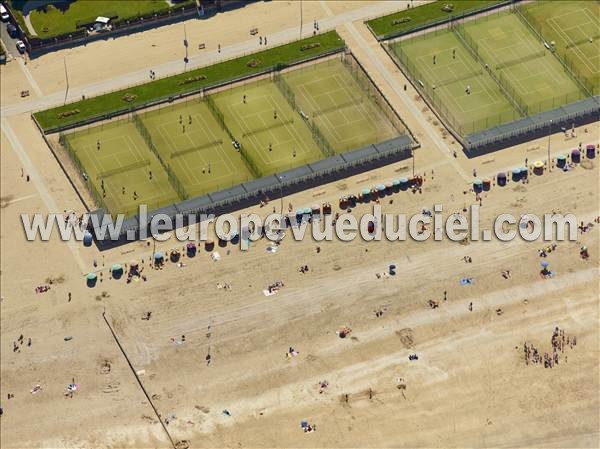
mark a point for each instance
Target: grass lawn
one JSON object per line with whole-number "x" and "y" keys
{"x": 123, "y": 160}
{"x": 483, "y": 108}
{"x": 406, "y": 20}
{"x": 188, "y": 81}
{"x": 200, "y": 153}
{"x": 273, "y": 144}
{"x": 340, "y": 107}
{"x": 53, "y": 21}
{"x": 574, "y": 27}
{"x": 513, "y": 51}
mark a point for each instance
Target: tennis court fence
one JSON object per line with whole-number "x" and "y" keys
{"x": 369, "y": 86}
{"x": 506, "y": 88}
{"x": 98, "y": 198}
{"x": 173, "y": 179}
{"x": 424, "y": 84}
{"x": 565, "y": 57}
{"x": 287, "y": 182}
{"x": 315, "y": 131}
{"x": 250, "y": 164}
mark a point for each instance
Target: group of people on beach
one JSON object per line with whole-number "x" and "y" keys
{"x": 559, "y": 342}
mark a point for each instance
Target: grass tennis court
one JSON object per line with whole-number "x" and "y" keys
{"x": 328, "y": 94}
{"x": 273, "y": 135}
{"x": 513, "y": 51}
{"x": 574, "y": 27}
{"x": 123, "y": 161}
{"x": 200, "y": 153}
{"x": 488, "y": 71}
{"x": 187, "y": 146}
{"x": 448, "y": 78}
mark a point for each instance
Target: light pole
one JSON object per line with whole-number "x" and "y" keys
{"x": 549, "y": 134}
{"x": 281, "y": 192}
{"x": 300, "y": 19}
{"x": 413, "y": 161}
{"x": 67, "y": 80}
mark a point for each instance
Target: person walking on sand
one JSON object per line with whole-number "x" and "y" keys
{"x": 69, "y": 296}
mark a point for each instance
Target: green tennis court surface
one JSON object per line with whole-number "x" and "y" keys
{"x": 188, "y": 147}
{"x": 192, "y": 143}
{"x": 512, "y": 50}
{"x": 489, "y": 71}
{"x": 273, "y": 136}
{"x": 447, "y": 80}
{"x": 122, "y": 161}
{"x": 328, "y": 94}
{"x": 574, "y": 27}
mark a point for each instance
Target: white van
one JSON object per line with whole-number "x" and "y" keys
{"x": 3, "y": 14}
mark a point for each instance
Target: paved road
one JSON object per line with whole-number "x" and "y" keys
{"x": 327, "y": 23}
{"x": 9, "y": 42}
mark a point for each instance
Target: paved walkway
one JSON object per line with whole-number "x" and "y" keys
{"x": 375, "y": 56}
{"x": 30, "y": 27}
{"x": 177, "y": 66}
{"x": 36, "y": 178}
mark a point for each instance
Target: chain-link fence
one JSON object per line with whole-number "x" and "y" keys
{"x": 568, "y": 59}
{"x": 96, "y": 195}
{"x": 173, "y": 180}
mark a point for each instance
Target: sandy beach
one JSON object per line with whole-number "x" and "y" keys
{"x": 472, "y": 385}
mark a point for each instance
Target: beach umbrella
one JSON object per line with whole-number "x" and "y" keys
{"x": 116, "y": 267}
{"x": 538, "y": 164}
{"x": 158, "y": 255}
{"x": 396, "y": 183}
{"x": 133, "y": 263}
{"x": 381, "y": 187}
{"x": 544, "y": 263}
{"x": 575, "y": 155}
{"x": 91, "y": 276}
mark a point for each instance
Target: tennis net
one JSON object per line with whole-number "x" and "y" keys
{"x": 279, "y": 124}
{"x": 462, "y": 77}
{"x": 583, "y": 40}
{"x": 179, "y": 153}
{"x": 123, "y": 169}
{"x": 504, "y": 65}
{"x": 335, "y": 107}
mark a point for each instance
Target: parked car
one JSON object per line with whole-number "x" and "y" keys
{"x": 21, "y": 47}
{"x": 4, "y": 14}
{"x": 12, "y": 30}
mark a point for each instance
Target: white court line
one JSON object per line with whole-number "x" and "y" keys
{"x": 326, "y": 119}
{"x": 190, "y": 171}
{"x": 564, "y": 34}
{"x": 395, "y": 86}
{"x": 295, "y": 139}
{"x": 40, "y": 186}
